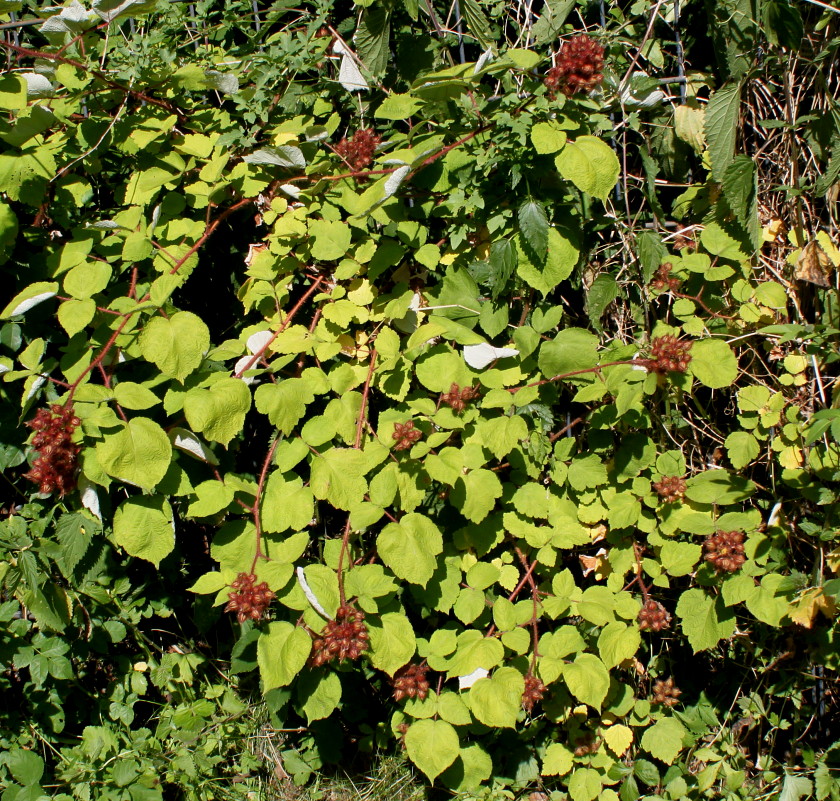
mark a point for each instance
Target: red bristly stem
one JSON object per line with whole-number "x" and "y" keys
{"x": 360, "y": 423}
{"x": 258, "y": 553}
{"x": 527, "y": 578}
{"x": 289, "y": 317}
{"x": 583, "y": 371}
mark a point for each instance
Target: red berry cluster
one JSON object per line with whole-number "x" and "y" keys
{"x": 534, "y": 691}
{"x": 457, "y": 398}
{"x": 654, "y": 616}
{"x": 249, "y": 600}
{"x": 670, "y": 488}
{"x": 669, "y": 355}
{"x": 578, "y": 68}
{"x": 346, "y": 637}
{"x": 58, "y": 455}
{"x": 411, "y": 682}
{"x": 665, "y": 692}
{"x": 405, "y": 435}
{"x": 725, "y": 550}
{"x": 358, "y": 150}
{"x": 664, "y": 280}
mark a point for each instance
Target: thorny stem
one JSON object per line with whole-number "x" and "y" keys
{"x": 529, "y": 576}
{"x": 357, "y": 444}
{"x": 258, "y": 553}
{"x": 295, "y": 309}
{"x": 596, "y": 369}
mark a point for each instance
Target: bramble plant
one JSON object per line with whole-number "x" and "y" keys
{"x": 374, "y": 380}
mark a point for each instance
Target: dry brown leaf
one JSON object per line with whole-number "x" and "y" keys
{"x": 813, "y": 265}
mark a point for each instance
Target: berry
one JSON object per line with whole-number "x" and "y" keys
{"x": 410, "y": 682}
{"x": 665, "y": 692}
{"x": 358, "y": 150}
{"x": 534, "y": 691}
{"x": 458, "y": 398}
{"x": 58, "y": 456}
{"x": 654, "y": 616}
{"x": 670, "y": 488}
{"x": 725, "y": 550}
{"x": 663, "y": 280}
{"x": 669, "y": 355}
{"x": 586, "y": 744}
{"x": 578, "y": 68}
{"x": 346, "y": 637}
{"x": 406, "y": 435}
{"x": 248, "y": 599}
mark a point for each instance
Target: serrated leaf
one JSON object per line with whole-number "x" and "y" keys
{"x": 587, "y": 679}
{"x": 497, "y": 699}
{"x": 618, "y": 738}
{"x": 144, "y": 528}
{"x": 502, "y": 264}
{"x": 409, "y": 547}
{"x": 477, "y": 22}
{"x": 783, "y": 24}
{"x": 557, "y": 761}
{"x": 547, "y": 138}
{"x": 590, "y": 164}
{"x": 372, "y": 38}
{"x": 338, "y": 477}
{"x": 702, "y": 622}
{"x": 618, "y": 642}
{"x": 392, "y": 642}
{"x": 533, "y": 223}
{"x": 219, "y": 411}
{"x": 664, "y": 739}
{"x": 432, "y": 745}
{"x": 282, "y": 652}
{"x": 139, "y": 453}
{"x": 284, "y": 156}
{"x": 721, "y": 127}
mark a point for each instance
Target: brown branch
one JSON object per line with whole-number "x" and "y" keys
{"x": 258, "y": 554}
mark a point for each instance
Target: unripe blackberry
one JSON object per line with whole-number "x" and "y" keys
{"x": 410, "y": 682}
{"x": 670, "y": 488}
{"x": 346, "y": 637}
{"x": 664, "y": 280}
{"x": 534, "y": 691}
{"x": 457, "y": 398}
{"x": 578, "y": 68}
{"x": 249, "y": 600}
{"x": 669, "y": 355}
{"x": 406, "y": 435}
{"x": 654, "y": 616}
{"x": 665, "y": 692}
{"x": 725, "y": 550}
{"x": 358, "y": 151}
{"x": 58, "y": 456}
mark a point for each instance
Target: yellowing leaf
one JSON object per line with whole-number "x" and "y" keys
{"x": 618, "y": 738}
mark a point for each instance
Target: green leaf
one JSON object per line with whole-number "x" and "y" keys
{"x": 131, "y": 395}
{"x": 392, "y": 642}
{"x": 477, "y": 22}
{"x": 713, "y": 363}
{"x": 557, "y": 761}
{"x": 783, "y": 24}
{"x": 721, "y": 127}
{"x": 409, "y": 547}
{"x": 74, "y": 315}
{"x": 547, "y": 138}
{"x": 618, "y": 642}
{"x": 337, "y": 476}
{"x": 213, "y": 496}
{"x": 26, "y": 767}
{"x": 397, "y": 107}
{"x": 320, "y": 694}
{"x": 590, "y": 164}
{"x": 372, "y": 38}
{"x": 470, "y": 770}
{"x": 138, "y": 453}
{"x": 282, "y": 652}
{"x": 284, "y": 402}
{"x": 664, "y": 739}
{"x": 587, "y": 679}
{"x": 560, "y": 260}
{"x": 29, "y": 298}
{"x": 175, "y": 345}
{"x": 286, "y": 504}
{"x": 329, "y": 241}
{"x": 13, "y": 95}
{"x": 718, "y": 486}
{"x": 74, "y": 533}
{"x": 497, "y": 699}
{"x": 502, "y": 264}
{"x": 432, "y": 745}
{"x": 584, "y": 784}
{"x": 475, "y": 494}
{"x": 572, "y": 349}
{"x": 603, "y": 291}
{"x": 795, "y": 788}
{"x": 219, "y": 411}
{"x": 701, "y": 621}
{"x": 145, "y": 528}
{"x": 679, "y": 558}
{"x": 741, "y": 447}
{"x": 533, "y": 224}
{"x": 739, "y": 187}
